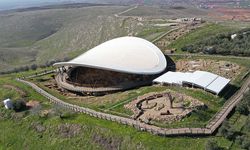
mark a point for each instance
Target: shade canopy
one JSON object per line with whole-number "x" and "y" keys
{"x": 205, "y": 80}
{"x": 125, "y": 54}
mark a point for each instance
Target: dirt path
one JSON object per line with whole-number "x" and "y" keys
{"x": 120, "y": 13}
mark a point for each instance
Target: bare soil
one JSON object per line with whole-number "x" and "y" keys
{"x": 32, "y": 104}
{"x": 223, "y": 68}
{"x": 236, "y": 14}
{"x": 164, "y": 106}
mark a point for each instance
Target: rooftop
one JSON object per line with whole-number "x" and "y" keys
{"x": 124, "y": 54}
{"x": 205, "y": 80}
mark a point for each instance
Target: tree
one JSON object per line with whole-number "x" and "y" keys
{"x": 227, "y": 131}
{"x": 222, "y": 44}
{"x": 209, "y": 50}
{"x": 247, "y": 125}
{"x": 245, "y": 143}
{"x": 244, "y": 105}
{"x": 33, "y": 67}
{"x": 242, "y": 108}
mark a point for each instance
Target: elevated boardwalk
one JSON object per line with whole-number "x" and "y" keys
{"x": 213, "y": 124}
{"x": 61, "y": 81}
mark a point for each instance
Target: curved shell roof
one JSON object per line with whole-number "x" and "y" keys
{"x": 124, "y": 54}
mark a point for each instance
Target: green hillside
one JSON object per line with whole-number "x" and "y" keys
{"x": 199, "y": 34}
{"x": 37, "y": 36}
{"x": 44, "y": 35}
{"x": 233, "y": 43}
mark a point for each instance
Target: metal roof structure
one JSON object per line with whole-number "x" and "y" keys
{"x": 124, "y": 54}
{"x": 202, "y": 79}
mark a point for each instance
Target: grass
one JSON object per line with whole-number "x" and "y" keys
{"x": 199, "y": 34}
{"x": 151, "y": 33}
{"x": 7, "y": 93}
{"x": 114, "y": 103}
{"x": 12, "y": 131}
{"x": 165, "y": 12}
{"x": 12, "y": 137}
{"x": 70, "y": 32}
{"x": 63, "y": 32}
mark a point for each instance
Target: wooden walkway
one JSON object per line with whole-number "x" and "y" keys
{"x": 213, "y": 124}
{"x": 41, "y": 74}
{"x": 61, "y": 81}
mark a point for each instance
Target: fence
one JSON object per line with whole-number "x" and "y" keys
{"x": 213, "y": 124}
{"x": 41, "y": 74}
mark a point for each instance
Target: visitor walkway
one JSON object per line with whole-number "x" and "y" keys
{"x": 212, "y": 125}
{"x": 61, "y": 81}
{"x": 41, "y": 74}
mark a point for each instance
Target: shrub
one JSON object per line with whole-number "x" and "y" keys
{"x": 227, "y": 131}
{"x": 33, "y": 67}
{"x": 19, "y": 105}
{"x": 244, "y": 105}
{"x": 247, "y": 125}
{"x": 62, "y": 112}
{"x": 212, "y": 145}
{"x": 246, "y": 143}
{"x": 222, "y": 44}
{"x": 242, "y": 108}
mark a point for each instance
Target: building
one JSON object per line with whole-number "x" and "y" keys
{"x": 119, "y": 64}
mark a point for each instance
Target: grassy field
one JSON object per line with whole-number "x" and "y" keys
{"x": 152, "y": 32}
{"x": 94, "y": 134}
{"x": 63, "y": 32}
{"x": 166, "y": 11}
{"x": 199, "y": 34}
{"x": 27, "y": 130}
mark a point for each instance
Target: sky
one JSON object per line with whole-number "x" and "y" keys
{"x": 11, "y": 4}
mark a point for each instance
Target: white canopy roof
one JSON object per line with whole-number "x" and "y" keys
{"x": 202, "y": 79}
{"x": 124, "y": 54}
